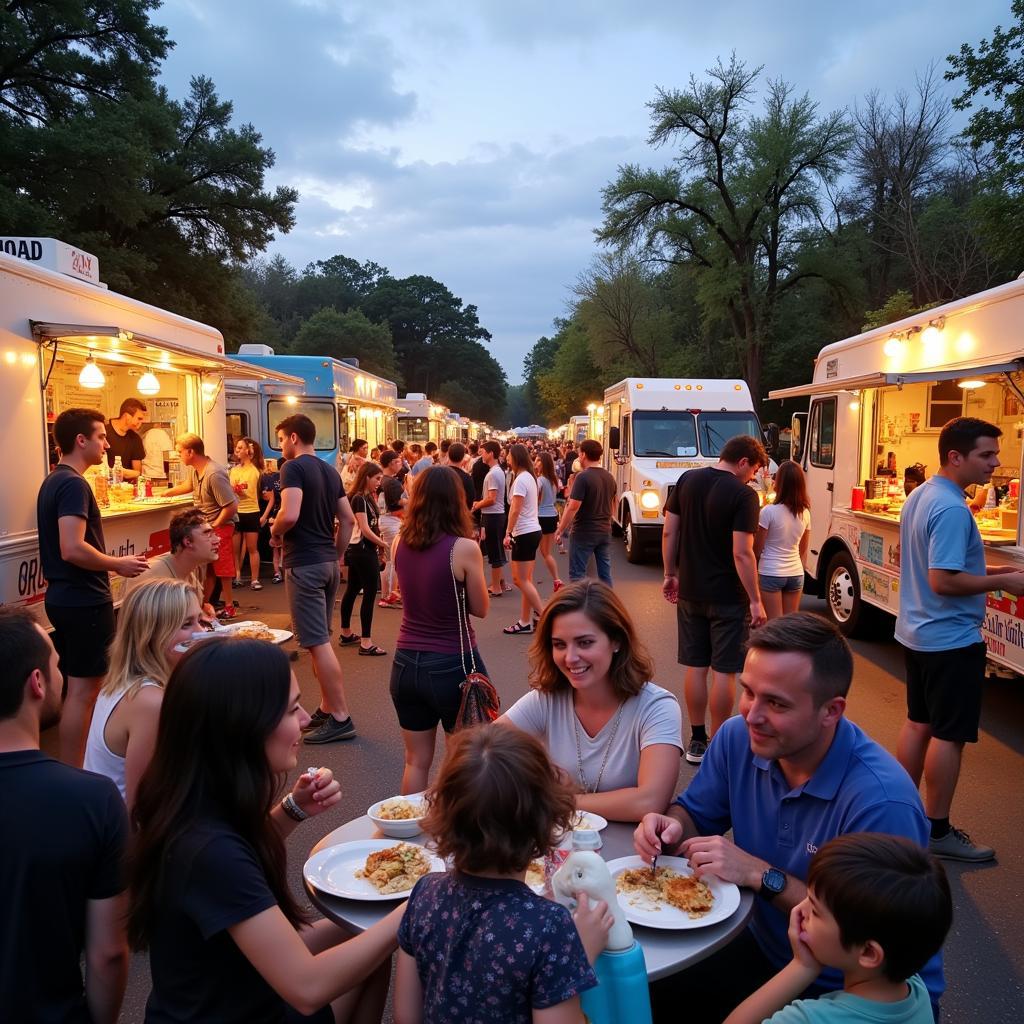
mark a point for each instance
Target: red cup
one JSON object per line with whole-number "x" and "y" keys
{"x": 1014, "y": 488}
{"x": 857, "y": 498}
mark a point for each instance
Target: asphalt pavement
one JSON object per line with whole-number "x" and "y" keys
{"x": 985, "y": 950}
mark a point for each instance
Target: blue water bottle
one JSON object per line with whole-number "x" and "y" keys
{"x": 621, "y": 996}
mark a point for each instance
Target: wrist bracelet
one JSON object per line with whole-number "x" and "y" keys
{"x": 292, "y": 809}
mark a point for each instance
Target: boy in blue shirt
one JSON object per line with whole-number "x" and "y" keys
{"x": 878, "y": 907}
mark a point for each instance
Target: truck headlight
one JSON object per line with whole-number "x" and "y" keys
{"x": 649, "y": 500}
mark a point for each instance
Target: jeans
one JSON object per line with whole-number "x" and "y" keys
{"x": 580, "y": 550}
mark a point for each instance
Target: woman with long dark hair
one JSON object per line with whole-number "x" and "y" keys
{"x": 366, "y": 550}
{"x": 547, "y": 511}
{"x": 783, "y": 535}
{"x": 441, "y": 574}
{"x": 209, "y": 893}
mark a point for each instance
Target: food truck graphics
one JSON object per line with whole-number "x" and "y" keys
{"x": 657, "y": 428}
{"x": 343, "y": 401}
{"x": 51, "y": 325}
{"x": 877, "y": 403}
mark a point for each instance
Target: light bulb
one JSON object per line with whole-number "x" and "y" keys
{"x": 148, "y": 384}
{"x": 893, "y": 347}
{"x": 91, "y": 375}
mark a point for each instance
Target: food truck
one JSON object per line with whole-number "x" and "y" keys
{"x": 68, "y": 342}
{"x": 657, "y": 428}
{"x": 579, "y": 429}
{"x": 877, "y": 404}
{"x": 343, "y": 401}
{"x": 422, "y": 420}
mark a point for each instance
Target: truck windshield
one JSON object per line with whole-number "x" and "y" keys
{"x": 716, "y": 428}
{"x": 321, "y": 413}
{"x": 672, "y": 434}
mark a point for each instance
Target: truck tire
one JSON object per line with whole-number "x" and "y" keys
{"x": 633, "y": 538}
{"x": 841, "y": 590}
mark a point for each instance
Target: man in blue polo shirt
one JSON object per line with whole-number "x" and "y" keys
{"x": 943, "y": 582}
{"x": 786, "y": 775}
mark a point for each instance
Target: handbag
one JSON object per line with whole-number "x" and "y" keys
{"x": 480, "y": 702}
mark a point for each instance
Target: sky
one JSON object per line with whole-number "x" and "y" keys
{"x": 469, "y": 141}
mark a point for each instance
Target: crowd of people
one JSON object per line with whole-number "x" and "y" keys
{"x": 172, "y": 838}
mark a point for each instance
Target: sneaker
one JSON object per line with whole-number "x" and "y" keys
{"x": 256, "y": 585}
{"x": 227, "y": 612}
{"x": 331, "y": 730}
{"x": 237, "y": 582}
{"x": 956, "y": 845}
{"x": 696, "y": 750}
{"x": 558, "y": 584}
{"x": 277, "y": 578}
{"x": 317, "y": 719}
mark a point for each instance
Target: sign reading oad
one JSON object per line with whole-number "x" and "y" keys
{"x": 54, "y": 255}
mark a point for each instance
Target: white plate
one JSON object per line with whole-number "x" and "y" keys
{"x": 280, "y": 635}
{"x": 589, "y": 821}
{"x": 334, "y": 870}
{"x": 727, "y": 897}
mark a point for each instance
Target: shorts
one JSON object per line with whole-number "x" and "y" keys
{"x": 548, "y": 524}
{"x": 311, "y": 590}
{"x": 82, "y": 637}
{"x": 780, "y": 584}
{"x": 944, "y": 691}
{"x": 224, "y": 567}
{"x": 494, "y": 538}
{"x": 426, "y": 688}
{"x": 248, "y": 522}
{"x": 712, "y": 635}
{"x": 524, "y": 546}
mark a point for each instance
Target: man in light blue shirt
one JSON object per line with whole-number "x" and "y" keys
{"x": 786, "y": 775}
{"x": 943, "y": 583}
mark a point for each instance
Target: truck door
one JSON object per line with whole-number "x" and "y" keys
{"x": 242, "y": 420}
{"x": 819, "y": 460}
{"x": 623, "y": 462}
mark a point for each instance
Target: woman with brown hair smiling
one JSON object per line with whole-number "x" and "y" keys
{"x": 618, "y": 735}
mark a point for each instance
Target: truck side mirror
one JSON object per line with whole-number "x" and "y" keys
{"x": 614, "y": 439}
{"x": 771, "y": 438}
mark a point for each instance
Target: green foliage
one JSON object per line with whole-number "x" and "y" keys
{"x": 342, "y": 335}
{"x": 573, "y": 379}
{"x": 898, "y": 306}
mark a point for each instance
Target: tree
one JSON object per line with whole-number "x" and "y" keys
{"x": 343, "y": 335}
{"x": 738, "y": 200}
{"x": 529, "y": 407}
{"x": 574, "y": 379}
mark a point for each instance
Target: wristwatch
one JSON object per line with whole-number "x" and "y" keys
{"x": 773, "y": 881}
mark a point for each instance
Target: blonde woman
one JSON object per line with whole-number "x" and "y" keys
{"x": 245, "y": 478}
{"x": 154, "y": 619}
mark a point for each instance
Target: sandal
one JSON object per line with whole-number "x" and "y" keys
{"x": 373, "y": 651}
{"x": 518, "y": 627}
{"x": 347, "y": 641}
{"x": 500, "y": 593}
{"x": 505, "y": 588}
{"x": 558, "y": 584}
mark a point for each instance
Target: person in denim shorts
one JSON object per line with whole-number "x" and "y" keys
{"x": 783, "y": 534}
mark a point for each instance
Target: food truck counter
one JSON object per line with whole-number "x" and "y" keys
{"x": 991, "y": 529}
{"x": 139, "y": 506}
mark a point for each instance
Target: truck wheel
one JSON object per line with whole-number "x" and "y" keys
{"x": 842, "y": 596}
{"x": 634, "y": 545}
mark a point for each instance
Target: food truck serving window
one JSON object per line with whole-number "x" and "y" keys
{"x": 823, "y": 433}
{"x": 321, "y": 413}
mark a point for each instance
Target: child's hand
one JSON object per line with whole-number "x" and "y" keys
{"x": 801, "y": 951}
{"x": 593, "y": 921}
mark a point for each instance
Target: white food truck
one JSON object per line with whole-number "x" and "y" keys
{"x": 657, "y": 428}
{"x": 877, "y": 404}
{"x": 66, "y": 342}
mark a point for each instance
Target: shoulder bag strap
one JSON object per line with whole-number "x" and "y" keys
{"x": 463, "y": 617}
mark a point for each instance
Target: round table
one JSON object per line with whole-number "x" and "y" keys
{"x": 666, "y": 952}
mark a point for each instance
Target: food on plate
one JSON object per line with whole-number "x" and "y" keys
{"x": 644, "y": 888}
{"x": 535, "y": 873}
{"x": 400, "y": 809}
{"x": 254, "y": 631}
{"x": 396, "y": 868}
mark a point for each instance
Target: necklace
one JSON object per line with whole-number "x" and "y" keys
{"x": 607, "y": 750}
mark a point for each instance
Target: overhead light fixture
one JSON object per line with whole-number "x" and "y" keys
{"x": 91, "y": 375}
{"x": 971, "y": 384}
{"x": 148, "y": 384}
{"x": 893, "y": 346}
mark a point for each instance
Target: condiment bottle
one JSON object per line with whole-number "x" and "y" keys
{"x": 118, "y": 470}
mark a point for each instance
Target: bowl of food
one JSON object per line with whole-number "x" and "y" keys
{"x": 399, "y": 816}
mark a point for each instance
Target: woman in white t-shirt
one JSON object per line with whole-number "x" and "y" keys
{"x": 154, "y": 618}
{"x": 616, "y": 734}
{"x": 523, "y": 536}
{"x": 783, "y": 533}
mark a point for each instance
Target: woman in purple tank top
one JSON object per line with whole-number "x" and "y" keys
{"x": 438, "y": 565}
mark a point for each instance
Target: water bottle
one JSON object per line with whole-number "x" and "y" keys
{"x": 140, "y": 486}
{"x": 118, "y": 470}
{"x": 621, "y": 995}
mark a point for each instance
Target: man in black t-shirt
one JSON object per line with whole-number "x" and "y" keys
{"x": 311, "y": 500}
{"x": 711, "y": 577}
{"x": 77, "y": 568}
{"x": 123, "y": 437}
{"x": 456, "y": 458}
{"x": 589, "y": 512}
{"x": 65, "y": 831}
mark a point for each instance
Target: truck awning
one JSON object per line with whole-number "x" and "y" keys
{"x": 119, "y": 345}
{"x": 884, "y": 380}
